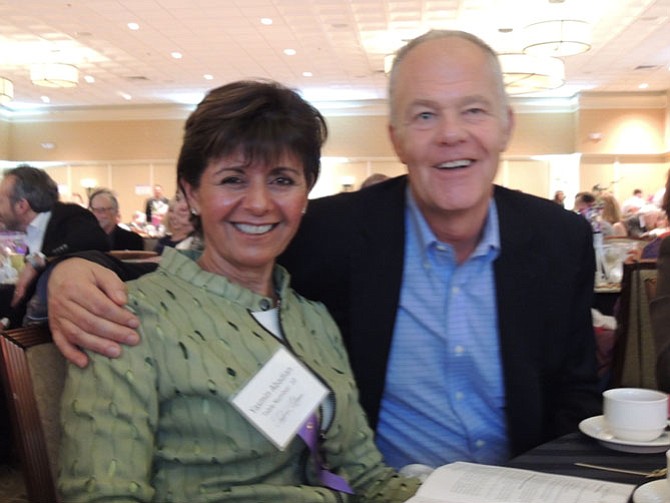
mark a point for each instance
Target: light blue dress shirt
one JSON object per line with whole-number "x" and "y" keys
{"x": 444, "y": 398}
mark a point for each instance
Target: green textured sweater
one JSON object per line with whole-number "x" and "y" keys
{"x": 156, "y": 424}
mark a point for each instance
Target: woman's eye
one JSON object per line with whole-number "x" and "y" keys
{"x": 425, "y": 116}
{"x": 284, "y": 180}
{"x": 231, "y": 180}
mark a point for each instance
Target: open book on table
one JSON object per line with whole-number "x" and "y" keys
{"x": 472, "y": 483}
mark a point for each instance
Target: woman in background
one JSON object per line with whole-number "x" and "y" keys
{"x": 180, "y": 232}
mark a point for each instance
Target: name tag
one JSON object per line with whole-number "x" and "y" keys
{"x": 280, "y": 397}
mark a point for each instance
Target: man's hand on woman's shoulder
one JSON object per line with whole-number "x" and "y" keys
{"x": 86, "y": 311}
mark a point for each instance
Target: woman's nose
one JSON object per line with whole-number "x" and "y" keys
{"x": 257, "y": 197}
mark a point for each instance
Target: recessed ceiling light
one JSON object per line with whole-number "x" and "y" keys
{"x": 643, "y": 86}
{"x": 125, "y": 96}
{"x": 45, "y": 99}
{"x": 89, "y": 78}
{"x": 176, "y": 55}
{"x": 133, "y": 26}
{"x": 307, "y": 74}
{"x": 48, "y": 145}
{"x": 266, "y": 21}
{"x": 207, "y": 76}
{"x": 290, "y": 52}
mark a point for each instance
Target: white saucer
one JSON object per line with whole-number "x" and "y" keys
{"x": 595, "y": 427}
{"x": 652, "y": 492}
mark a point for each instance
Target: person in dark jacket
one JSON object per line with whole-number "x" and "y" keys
{"x": 105, "y": 206}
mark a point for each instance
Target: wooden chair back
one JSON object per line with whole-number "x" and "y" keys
{"x": 33, "y": 374}
{"x": 634, "y": 360}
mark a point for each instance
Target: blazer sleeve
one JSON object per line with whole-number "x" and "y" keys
{"x": 73, "y": 229}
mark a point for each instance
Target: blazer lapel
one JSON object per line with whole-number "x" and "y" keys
{"x": 376, "y": 266}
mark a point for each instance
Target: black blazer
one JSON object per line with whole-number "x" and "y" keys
{"x": 72, "y": 228}
{"x": 122, "y": 239}
{"x": 349, "y": 251}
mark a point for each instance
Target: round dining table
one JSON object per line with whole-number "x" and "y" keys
{"x": 560, "y": 455}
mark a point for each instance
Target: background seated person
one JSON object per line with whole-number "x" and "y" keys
{"x": 29, "y": 203}
{"x": 250, "y": 155}
{"x": 105, "y": 207}
{"x": 180, "y": 232}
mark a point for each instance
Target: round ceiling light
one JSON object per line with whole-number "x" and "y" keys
{"x": 54, "y": 75}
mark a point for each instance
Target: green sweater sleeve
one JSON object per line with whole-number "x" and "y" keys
{"x": 109, "y": 413}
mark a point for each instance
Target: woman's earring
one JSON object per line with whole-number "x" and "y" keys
{"x": 194, "y": 212}
{"x": 304, "y": 210}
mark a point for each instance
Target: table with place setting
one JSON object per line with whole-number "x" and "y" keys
{"x": 593, "y": 453}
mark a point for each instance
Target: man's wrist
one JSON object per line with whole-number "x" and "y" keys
{"x": 37, "y": 260}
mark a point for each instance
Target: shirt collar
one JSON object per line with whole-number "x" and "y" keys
{"x": 489, "y": 242}
{"x": 36, "y": 230}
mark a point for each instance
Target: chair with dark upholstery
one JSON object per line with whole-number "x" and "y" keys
{"x": 33, "y": 374}
{"x": 635, "y": 349}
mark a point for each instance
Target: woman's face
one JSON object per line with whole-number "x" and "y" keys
{"x": 179, "y": 215}
{"x": 249, "y": 213}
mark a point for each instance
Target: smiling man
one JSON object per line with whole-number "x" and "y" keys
{"x": 465, "y": 306}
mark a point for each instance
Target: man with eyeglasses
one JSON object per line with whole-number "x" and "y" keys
{"x": 105, "y": 207}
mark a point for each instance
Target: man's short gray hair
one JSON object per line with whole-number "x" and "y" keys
{"x": 440, "y": 34}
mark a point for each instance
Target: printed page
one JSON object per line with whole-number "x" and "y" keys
{"x": 472, "y": 483}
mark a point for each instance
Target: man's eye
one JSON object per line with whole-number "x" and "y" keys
{"x": 425, "y": 116}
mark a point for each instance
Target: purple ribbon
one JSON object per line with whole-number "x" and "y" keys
{"x": 309, "y": 432}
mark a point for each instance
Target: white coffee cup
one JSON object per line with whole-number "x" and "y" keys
{"x": 635, "y": 414}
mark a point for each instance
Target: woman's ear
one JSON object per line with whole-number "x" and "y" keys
{"x": 191, "y": 196}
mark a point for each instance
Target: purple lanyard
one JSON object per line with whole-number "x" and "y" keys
{"x": 309, "y": 432}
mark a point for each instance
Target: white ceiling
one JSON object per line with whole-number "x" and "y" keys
{"x": 341, "y": 42}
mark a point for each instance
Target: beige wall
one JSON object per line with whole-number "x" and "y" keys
{"x": 543, "y": 133}
{"x": 622, "y": 131}
{"x": 131, "y": 155}
{"x": 96, "y": 140}
{"x": 4, "y": 140}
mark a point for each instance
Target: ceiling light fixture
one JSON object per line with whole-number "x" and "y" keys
{"x": 54, "y": 75}
{"x": 557, "y": 38}
{"x": 6, "y": 91}
{"x": 524, "y": 73}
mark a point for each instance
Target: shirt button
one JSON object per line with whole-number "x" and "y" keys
{"x": 480, "y": 443}
{"x": 264, "y": 304}
{"x": 455, "y": 289}
{"x": 459, "y": 350}
{"x": 459, "y": 395}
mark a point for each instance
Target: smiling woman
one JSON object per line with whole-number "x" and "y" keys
{"x": 221, "y": 329}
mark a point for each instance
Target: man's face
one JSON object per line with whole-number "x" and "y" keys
{"x": 103, "y": 209}
{"x": 450, "y": 125}
{"x": 8, "y": 210}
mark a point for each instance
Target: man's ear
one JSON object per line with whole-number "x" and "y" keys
{"x": 396, "y": 141}
{"x": 508, "y": 129}
{"x": 22, "y": 206}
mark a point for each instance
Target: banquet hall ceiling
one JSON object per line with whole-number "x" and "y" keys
{"x": 341, "y": 43}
